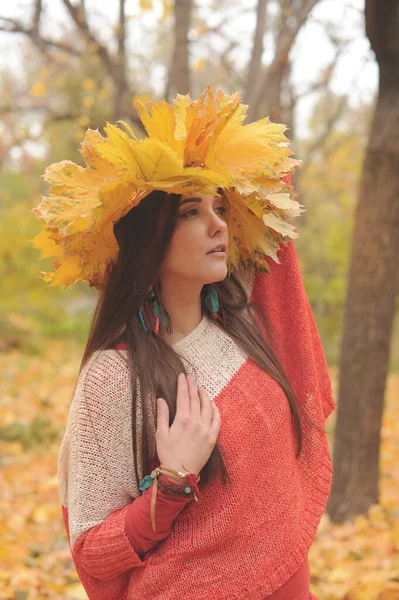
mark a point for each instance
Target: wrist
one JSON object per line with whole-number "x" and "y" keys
{"x": 189, "y": 480}
{"x": 182, "y": 468}
{"x": 173, "y": 487}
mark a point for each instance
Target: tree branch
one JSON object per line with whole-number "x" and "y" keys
{"x": 228, "y": 64}
{"x": 257, "y": 52}
{"x": 46, "y": 43}
{"x": 79, "y": 17}
{"x": 320, "y": 140}
{"x": 286, "y": 37}
{"x": 328, "y": 71}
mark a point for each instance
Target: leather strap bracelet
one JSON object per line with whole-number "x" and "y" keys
{"x": 171, "y": 486}
{"x": 188, "y": 481}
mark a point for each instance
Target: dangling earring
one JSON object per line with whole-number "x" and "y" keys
{"x": 212, "y": 302}
{"x": 141, "y": 317}
{"x": 157, "y": 312}
{"x": 142, "y": 314}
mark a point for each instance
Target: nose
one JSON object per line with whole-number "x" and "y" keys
{"x": 217, "y": 224}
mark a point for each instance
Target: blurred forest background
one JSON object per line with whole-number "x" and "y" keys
{"x": 72, "y": 69}
{"x": 314, "y": 65}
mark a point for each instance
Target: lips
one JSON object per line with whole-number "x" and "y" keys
{"x": 219, "y": 247}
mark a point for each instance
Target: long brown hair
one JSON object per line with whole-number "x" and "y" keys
{"x": 143, "y": 236}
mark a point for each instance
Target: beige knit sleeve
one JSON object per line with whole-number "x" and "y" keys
{"x": 95, "y": 465}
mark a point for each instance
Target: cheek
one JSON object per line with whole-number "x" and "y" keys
{"x": 184, "y": 249}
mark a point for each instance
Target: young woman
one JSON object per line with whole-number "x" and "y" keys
{"x": 194, "y": 463}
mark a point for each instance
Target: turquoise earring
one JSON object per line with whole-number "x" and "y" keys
{"x": 157, "y": 309}
{"x": 212, "y": 302}
{"x": 157, "y": 313}
{"x": 141, "y": 317}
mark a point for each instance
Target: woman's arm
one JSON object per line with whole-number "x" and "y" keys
{"x": 138, "y": 521}
{"x": 294, "y": 334}
{"x": 106, "y": 517}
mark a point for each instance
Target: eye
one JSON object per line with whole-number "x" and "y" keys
{"x": 223, "y": 210}
{"x": 188, "y": 213}
{"x": 194, "y": 211}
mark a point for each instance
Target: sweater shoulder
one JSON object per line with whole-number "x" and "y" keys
{"x": 104, "y": 365}
{"x": 105, "y": 361}
{"x": 103, "y": 389}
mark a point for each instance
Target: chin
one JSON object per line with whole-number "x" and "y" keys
{"x": 216, "y": 275}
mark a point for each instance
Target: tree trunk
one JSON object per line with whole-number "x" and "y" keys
{"x": 120, "y": 87}
{"x": 255, "y": 62}
{"x": 372, "y": 287}
{"x": 179, "y": 72}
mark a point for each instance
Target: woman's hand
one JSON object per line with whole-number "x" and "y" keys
{"x": 193, "y": 434}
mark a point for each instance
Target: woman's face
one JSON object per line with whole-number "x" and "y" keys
{"x": 201, "y": 225}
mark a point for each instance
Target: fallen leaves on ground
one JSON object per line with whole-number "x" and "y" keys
{"x": 358, "y": 560}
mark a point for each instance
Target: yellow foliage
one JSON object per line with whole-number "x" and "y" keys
{"x": 193, "y": 146}
{"x": 88, "y": 101}
{"x": 89, "y": 85}
{"x": 168, "y": 9}
{"x": 104, "y": 93}
{"x": 83, "y": 121}
{"x": 359, "y": 559}
{"x": 198, "y": 65}
{"x": 144, "y": 98}
{"x": 146, "y": 5}
{"x": 38, "y": 89}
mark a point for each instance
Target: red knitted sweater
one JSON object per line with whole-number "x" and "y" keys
{"x": 241, "y": 540}
{"x": 142, "y": 537}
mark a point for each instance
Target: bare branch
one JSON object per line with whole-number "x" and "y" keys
{"x": 288, "y": 34}
{"x": 36, "y": 17}
{"x": 324, "y": 80}
{"x": 286, "y": 37}
{"x": 50, "y": 114}
{"x": 11, "y": 21}
{"x": 122, "y": 32}
{"x": 320, "y": 141}
{"x": 228, "y": 64}
{"x": 35, "y": 29}
{"x": 79, "y": 17}
{"x": 257, "y": 52}
{"x": 17, "y": 27}
{"x": 83, "y": 7}
{"x": 224, "y": 20}
{"x": 120, "y": 63}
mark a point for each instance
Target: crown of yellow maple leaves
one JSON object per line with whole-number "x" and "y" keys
{"x": 193, "y": 146}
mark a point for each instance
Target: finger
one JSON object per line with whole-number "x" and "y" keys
{"x": 182, "y": 397}
{"x": 216, "y": 420}
{"x": 195, "y": 402}
{"x": 162, "y": 416}
{"x": 206, "y": 405}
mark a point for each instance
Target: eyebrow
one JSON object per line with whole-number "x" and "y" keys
{"x": 196, "y": 199}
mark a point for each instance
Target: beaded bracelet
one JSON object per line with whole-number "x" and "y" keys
{"x": 171, "y": 487}
{"x": 189, "y": 480}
